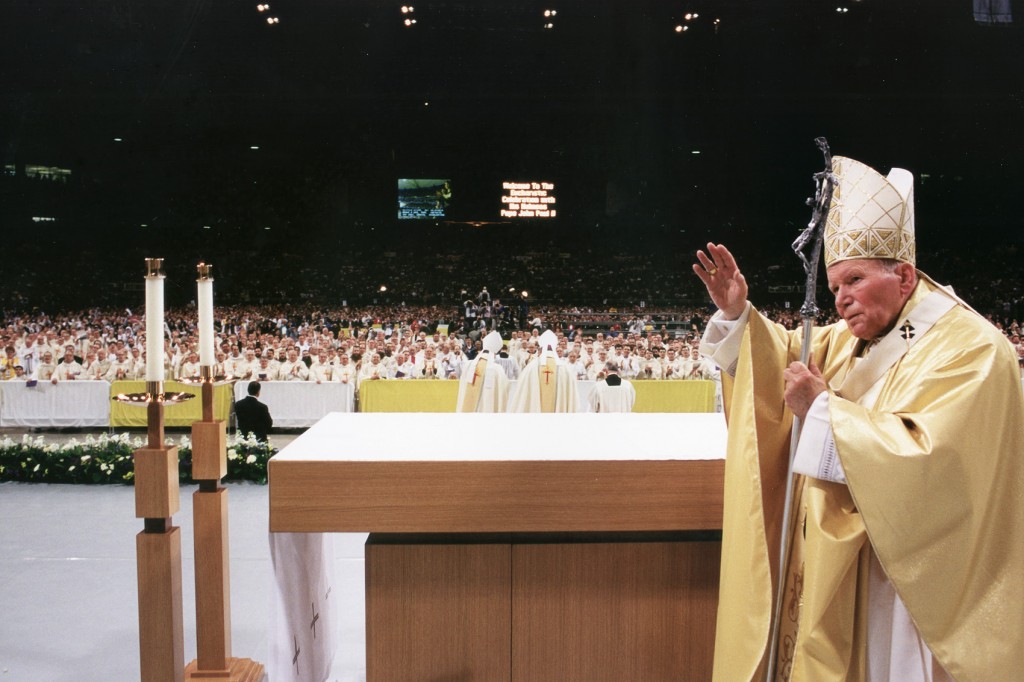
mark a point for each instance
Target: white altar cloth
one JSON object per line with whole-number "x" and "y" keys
{"x": 76, "y": 403}
{"x": 455, "y": 437}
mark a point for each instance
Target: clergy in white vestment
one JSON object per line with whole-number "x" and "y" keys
{"x": 234, "y": 361}
{"x": 697, "y": 367}
{"x": 220, "y": 368}
{"x": 614, "y": 394}
{"x": 673, "y": 367}
{"x": 345, "y": 371}
{"x": 403, "y": 368}
{"x": 293, "y": 369}
{"x": 652, "y": 368}
{"x": 545, "y": 384}
{"x": 321, "y": 371}
{"x": 576, "y": 366}
{"x": 247, "y": 367}
{"x": 484, "y": 385}
{"x": 68, "y": 370}
{"x": 596, "y": 370}
{"x": 428, "y": 367}
{"x": 189, "y": 369}
{"x": 44, "y": 370}
{"x": 121, "y": 369}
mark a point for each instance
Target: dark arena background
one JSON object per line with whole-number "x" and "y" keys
{"x": 273, "y": 140}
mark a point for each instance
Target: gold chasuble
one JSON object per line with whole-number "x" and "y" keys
{"x": 935, "y": 473}
{"x": 471, "y": 393}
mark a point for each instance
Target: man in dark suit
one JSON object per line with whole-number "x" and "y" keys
{"x": 252, "y": 415}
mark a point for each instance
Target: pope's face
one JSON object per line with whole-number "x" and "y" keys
{"x": 867, "y": 296}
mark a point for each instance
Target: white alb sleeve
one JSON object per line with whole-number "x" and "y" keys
{"x": 816, "y": 454}
{"x": 721, "y": 340}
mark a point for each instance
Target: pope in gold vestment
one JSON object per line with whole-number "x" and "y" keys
{"x": 906, "y": 555}
{"x": 935, "y": 473}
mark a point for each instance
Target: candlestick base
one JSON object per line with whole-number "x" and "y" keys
{"x": 237, "y": 670}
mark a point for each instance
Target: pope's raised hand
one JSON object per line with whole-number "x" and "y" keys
{"x": 723, "y": 279}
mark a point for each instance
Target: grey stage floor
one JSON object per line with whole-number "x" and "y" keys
{"x": 68, "y": 605}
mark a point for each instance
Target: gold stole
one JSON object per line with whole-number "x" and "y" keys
{"x": 548, "y": 381}
{"x": 471, "y": 398}
{"x": 793, "y": 597}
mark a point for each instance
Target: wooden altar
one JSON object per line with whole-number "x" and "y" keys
{"x": 521, "y": 547}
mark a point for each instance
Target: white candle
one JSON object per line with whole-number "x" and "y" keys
{"x": 205, "y": 304}
{"x": 155, "y": 327}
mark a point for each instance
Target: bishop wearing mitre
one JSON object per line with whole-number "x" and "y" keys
{"x": 484, "y": 385}
{"x": 546, "y": 384}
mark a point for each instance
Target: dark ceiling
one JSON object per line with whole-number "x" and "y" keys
{"x": 341, "y": 98}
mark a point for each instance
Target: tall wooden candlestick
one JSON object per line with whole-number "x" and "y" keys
{"x": 210, "y": 519}
{"x": 158, "y": 546}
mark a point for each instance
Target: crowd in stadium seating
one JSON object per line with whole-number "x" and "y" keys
{"x": 421, "y": 309}
{"x": 351, "y": 345}
{"x": 307, "y": 343}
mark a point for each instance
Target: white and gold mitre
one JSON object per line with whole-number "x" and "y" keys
{"x": 871, "y": 216}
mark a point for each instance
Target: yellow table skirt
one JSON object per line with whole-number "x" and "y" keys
{"x": 674, "y": 396}
{"x": 413, "y": 395}
{"x": 181, "y": 414}
{"x": 440, "y": 396}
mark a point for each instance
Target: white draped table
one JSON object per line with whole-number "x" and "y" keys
{"x": 298, "y": 404}
{"x": 65, "y": 404}
{"x": 475, "y": 474}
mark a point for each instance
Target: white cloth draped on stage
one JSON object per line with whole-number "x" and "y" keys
{"x": 302, "y": 630}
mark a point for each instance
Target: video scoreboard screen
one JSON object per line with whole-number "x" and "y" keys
{"x": 424, "y": 198}
{"x": 479, "y": 199}
{"x": 528, "y": 200}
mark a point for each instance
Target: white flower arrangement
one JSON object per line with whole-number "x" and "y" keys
{"x": 108, "y": 458}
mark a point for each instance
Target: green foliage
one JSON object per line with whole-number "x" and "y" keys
{"x": 108, "y": 459}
